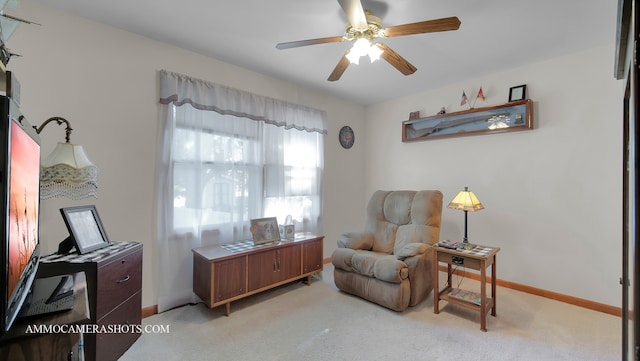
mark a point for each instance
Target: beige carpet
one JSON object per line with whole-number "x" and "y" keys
{"x": 297, "y": 322}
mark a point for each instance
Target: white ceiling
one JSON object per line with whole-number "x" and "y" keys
{"x": 494, "y": 35}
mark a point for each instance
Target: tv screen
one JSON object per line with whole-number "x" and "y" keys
{"x": 20, "y": 184}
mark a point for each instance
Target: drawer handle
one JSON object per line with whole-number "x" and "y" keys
{"x": 123, "y": 279}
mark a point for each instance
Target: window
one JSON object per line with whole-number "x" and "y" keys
{"x": 293, "y": 176}
{"x": 226, "y": 156}
{"x": 228, "y": 170}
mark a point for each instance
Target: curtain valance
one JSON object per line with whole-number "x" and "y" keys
{"x": 180, "y": 89}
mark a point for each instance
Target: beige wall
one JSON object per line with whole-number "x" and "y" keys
{"x": 552, "y": 195}
{"x": 105, "y": 82}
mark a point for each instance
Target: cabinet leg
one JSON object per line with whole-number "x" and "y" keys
{"x": 227, "y": 307}
{"x": 493, "y": 287}
{"x": 436, "y": 284}
{"x": 483, "y": 297}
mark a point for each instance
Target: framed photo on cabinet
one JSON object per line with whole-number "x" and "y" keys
{"x": 85, "y": 228}
{"x": 265, "y": 230}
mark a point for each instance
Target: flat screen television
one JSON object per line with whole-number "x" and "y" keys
{"x": 20, "y": 210}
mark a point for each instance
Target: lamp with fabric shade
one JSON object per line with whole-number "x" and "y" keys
{"x": 67, "y": 171}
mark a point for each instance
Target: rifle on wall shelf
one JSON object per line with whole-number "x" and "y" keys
{"x": 512, "y": 116}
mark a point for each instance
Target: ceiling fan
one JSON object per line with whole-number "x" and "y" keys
{"x": 364, "y": 28}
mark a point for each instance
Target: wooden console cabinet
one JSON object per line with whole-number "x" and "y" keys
{"x": 228, "y": 272}
{"x": 114, "y": 289}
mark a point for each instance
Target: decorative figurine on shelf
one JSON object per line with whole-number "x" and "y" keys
{"x": 442, "y": 111}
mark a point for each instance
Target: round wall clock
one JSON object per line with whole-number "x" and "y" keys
{"x": 346, "y": 137}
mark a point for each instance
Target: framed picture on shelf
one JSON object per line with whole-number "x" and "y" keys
{"x": 414, "y": 115}
{"x": 85, "y": 228}
{"x": 265, "y": 230}
{"x": 517, "y": 93}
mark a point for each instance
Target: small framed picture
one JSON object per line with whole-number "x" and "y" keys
{"x": 414, "y": 115}
{"x": 265, "y": 230}
{"x": 517, "y": 93}
{"x": 85, "y": 228}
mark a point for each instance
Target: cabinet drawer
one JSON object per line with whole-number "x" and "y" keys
{"x": 110, "y": 346}
{"x": 462, "y": 261}
{"x": 117, "y": 281}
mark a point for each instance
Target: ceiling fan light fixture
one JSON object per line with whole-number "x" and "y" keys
{"x": 354, "y": 57}
{"x": 361, "y": 46}
{"x": 363, "y": 28}
{"x": 375, "y": 52}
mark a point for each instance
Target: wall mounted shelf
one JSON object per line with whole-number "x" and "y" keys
{"x": 508, "y": 117}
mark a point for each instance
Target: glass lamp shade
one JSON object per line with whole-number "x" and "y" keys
{"x": 67, "y": 172}
{"x": 361, "y": 46}
{"x": 375, "y": 52}
{"x": 354, "y": 57}
{"x": 466, "y": 201}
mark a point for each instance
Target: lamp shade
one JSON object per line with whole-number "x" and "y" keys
{"x": 466, "y": 201}
{"x": 68, "y": 172}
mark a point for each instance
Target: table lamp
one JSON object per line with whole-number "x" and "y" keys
{"x": 466, "y": 201}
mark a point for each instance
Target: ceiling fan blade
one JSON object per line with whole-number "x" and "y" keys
{"x": 295, "y": 44}
{"x": 355, "y": 13}
{"x": 396, "y": 60}
{"x": 428, "y": 26}
{"x": 340, "y": 68}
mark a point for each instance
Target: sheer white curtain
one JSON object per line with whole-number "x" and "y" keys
{"x": 227, "y": 156}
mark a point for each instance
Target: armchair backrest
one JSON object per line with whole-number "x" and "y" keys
{"x": 397, "y": 218}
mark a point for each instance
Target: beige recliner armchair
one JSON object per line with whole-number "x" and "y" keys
{"x": 391, "y": 261}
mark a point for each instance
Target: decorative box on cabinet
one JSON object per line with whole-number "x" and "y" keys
{"x": 228, "y": 272}
{"x": 114, "y": 288}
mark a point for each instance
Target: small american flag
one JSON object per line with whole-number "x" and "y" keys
{"x": 464, "y": 99}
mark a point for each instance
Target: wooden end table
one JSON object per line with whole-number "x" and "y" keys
{"x": 479, "y": 258}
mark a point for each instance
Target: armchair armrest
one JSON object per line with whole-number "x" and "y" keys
{"x": 360, "y": 240}
{"x": 412, "y": 249}
{"x": 419, "y": 259}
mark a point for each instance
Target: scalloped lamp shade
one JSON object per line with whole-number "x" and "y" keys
{"x": 68, "y": 172}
